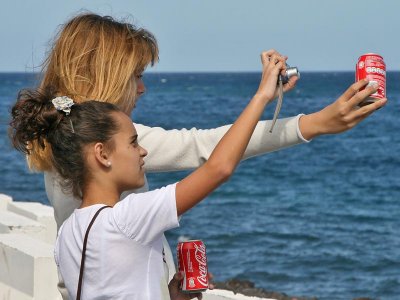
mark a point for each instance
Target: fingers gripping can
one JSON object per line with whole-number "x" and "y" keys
{"x": 192, "y": 262}
{"x": 372, "y": 67}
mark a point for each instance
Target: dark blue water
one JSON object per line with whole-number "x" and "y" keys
{"x": 320, "y": 219}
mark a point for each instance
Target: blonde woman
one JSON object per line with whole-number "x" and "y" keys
{"x": 97, "y": 57}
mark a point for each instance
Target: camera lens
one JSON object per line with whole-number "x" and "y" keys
{"x": 290, "y": 72}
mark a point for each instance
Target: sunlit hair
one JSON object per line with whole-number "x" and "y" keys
{"x": 95, "y": 57}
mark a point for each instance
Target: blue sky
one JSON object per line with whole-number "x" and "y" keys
{"x": 220, "y": 35}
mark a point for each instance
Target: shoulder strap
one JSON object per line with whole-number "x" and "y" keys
{"x": 79, "y": 290}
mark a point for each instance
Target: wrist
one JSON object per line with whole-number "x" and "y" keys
{"x": 262, "y": 98}
{"x": 311, "y": 125}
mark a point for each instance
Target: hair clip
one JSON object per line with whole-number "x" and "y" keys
{"x": 63, "y": 103}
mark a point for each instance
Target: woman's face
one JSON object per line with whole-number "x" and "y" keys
{"x": 137, "y": 81}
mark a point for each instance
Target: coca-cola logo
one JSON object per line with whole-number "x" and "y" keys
{"x": 200, "y": 255}
{"x": 376, "y": 70}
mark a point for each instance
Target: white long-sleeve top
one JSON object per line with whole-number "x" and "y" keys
{"x": 172, "y": 150}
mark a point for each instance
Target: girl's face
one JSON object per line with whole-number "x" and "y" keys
{"x": 127, "y": 157}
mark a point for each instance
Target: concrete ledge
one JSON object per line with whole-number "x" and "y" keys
{"x": 228, "y": 295}
{"x": 8, "y": 293}
{"x": 4, "y": 201}
{"x": 13, "y": 223}
{"x": 38, "y": 212}
{"x": 29, "y": 266}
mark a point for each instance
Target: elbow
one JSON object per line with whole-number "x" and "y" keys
{"x": 222, "y": 171}
{"x": 226, "y": 173}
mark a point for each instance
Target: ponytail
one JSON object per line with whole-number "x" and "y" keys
{"x": 65, "y": 130}
{"x": 33, "y": 117}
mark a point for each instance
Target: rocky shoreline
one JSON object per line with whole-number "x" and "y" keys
{"x": 248, "y": 288}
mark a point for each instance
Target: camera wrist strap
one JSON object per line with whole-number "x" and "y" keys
{"x": 278, "y": 104}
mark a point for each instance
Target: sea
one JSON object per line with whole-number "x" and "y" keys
{"x": 318, "y": 219}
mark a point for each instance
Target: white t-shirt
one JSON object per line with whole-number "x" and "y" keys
{"x": 124, "y": 255}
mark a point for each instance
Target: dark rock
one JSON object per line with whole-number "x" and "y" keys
{"x": 248, "y": 288}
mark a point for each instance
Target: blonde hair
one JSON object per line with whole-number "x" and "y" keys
{"x": 95, "y": 57}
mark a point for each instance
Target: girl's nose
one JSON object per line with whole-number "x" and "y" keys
{"x": 143, "y": 152}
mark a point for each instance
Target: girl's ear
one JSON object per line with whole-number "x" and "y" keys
{"x": 102, "y": 155}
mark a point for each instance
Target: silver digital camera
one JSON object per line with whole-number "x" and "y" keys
{"x": 290, "y": 72}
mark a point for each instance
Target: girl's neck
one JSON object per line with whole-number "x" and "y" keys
{"x": 95, "y": 195}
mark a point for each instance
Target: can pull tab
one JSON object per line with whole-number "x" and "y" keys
{"x": 279, "y": 104}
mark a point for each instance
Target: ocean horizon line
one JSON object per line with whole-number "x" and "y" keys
{"x": 211, "y": 72}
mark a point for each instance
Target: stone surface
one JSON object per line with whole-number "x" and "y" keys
{"x": 38, "y": 212}
{"x": 219, "y": 294}
{"x": 14, "y": 223}
{"x": 4, "y": 201}
{"x": 29, "y": 267}
{"x": 8, "y": 293}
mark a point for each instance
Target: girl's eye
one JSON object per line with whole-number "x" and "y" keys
{"x": 139, "y": 76}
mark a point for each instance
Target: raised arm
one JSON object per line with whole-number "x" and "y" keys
{"x": 229, "y": 151}
{"x": 171, "y": 150}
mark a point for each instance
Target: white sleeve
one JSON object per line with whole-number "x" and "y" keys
{"x": 144, "y": 217}
{"x": 172, "y": 150}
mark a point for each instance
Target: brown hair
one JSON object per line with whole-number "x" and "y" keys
{"x": 34, "y": 118}
{"x": 95, "y": 57}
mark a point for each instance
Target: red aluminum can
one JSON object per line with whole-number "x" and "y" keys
{"x": 192, "y": 262}
{"x": 372, "y": 67}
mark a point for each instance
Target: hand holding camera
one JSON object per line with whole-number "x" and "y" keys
{"x": 273, "y": 65}
{"x": 277, "y": 78}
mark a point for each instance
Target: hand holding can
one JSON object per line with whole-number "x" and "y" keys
{"x": 192, "y": 262}
{"x": 372, "y": 67}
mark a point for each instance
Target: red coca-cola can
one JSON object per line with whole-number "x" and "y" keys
{"x": 372, "y": 67}
{"x": 192, "y": 262}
